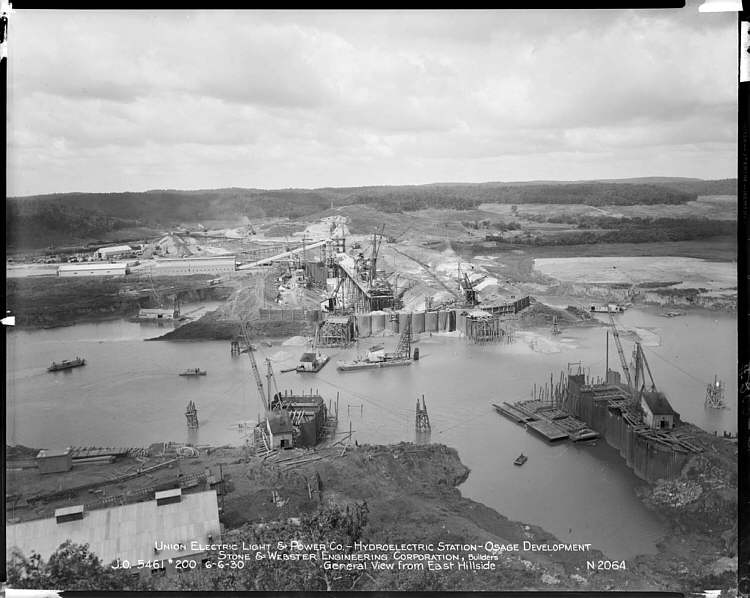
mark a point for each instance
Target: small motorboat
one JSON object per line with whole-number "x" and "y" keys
{"x": 520, "y": 460}
{"x": 193, "y": 372}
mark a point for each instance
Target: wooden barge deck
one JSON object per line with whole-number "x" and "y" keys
{"x": 548, "y": 422}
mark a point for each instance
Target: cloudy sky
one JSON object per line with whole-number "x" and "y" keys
{"x": 114, "y": 101}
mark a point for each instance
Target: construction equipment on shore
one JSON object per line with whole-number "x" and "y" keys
{"x": 715, "y": 394}
{"x": 467, "y": 288}
{"x": 333, "y": 298}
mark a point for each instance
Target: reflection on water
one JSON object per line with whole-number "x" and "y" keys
{"x": 130, "y": 394}
{"x": 421, "y": 437}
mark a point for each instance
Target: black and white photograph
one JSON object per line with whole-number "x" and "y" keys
{"x": 383, "y": 300}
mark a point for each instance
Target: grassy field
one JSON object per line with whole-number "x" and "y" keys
{"x": 717, "y": 207}
{"x": 518, "y": 260}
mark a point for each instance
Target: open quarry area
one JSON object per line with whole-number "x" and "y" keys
{"x": 345, "y": 390}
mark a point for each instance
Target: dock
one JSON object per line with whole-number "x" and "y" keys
{"x": 512, "y": 413}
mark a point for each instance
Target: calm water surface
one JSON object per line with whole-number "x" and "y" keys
{"x": 129, "y": 394}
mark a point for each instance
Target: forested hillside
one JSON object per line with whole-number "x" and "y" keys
{"x": 38, "y": 221}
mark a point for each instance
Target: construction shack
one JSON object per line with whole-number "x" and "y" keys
{"x": 279, "y": 429}
{"x": 657, "y": 412}
{"x": 54, "y": 461}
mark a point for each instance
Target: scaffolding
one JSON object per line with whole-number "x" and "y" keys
{"x": 403, "y": 350}
{"x": 423, "y": 420}
{"x": 191, "y": 413}
{"x": 483, "y": 328}
{"x": 336, "y": 331}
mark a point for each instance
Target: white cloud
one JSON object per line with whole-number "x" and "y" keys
{"x": 130, "y": 101}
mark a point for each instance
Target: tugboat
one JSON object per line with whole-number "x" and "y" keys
{"x": 66, "y": 364}
{"x": 193, "y": 372}
{"x": 311, "y": 362}
{"x": 520, "y": 460}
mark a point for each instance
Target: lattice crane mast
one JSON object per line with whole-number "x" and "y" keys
{"x": 254, "y": 367}
{"x": 620, "y": 352}
{"x": 377, "y": 239}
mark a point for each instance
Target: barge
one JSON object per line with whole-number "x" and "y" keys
{"x": 376, "y": 358}
{"x": 193, "y": 372}
{"x": 66, "y": 364}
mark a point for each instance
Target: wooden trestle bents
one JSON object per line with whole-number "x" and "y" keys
{"x": 192, "y": 416}
{"x": 422, "y": 420}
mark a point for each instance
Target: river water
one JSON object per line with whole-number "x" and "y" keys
{"x": 129, "y": 394}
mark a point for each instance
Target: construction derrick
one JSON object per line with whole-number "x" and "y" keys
{"x": 639, "y": 382}
{"x": 467, "y": 288}
{"x": 191, "y": 413}
{"x": 423, "y": 420}
{"x": 620, "y": 352}
{"x": 254, "y": 367}
{"x": 715, "y": 394}
{"x": 555, "y": 327}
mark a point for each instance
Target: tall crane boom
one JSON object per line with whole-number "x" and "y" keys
{"x": 377, "y": 239}
{"x": 640, "y": 376}
{"x": 623, "y": 363}
{"x": 254, "y": 366}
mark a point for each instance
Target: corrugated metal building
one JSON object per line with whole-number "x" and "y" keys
{"x": 195, "y": 265}
{"x": 92, "y": 269}
{"x": 108, "y": 253}
{"x": 130, "y": 532}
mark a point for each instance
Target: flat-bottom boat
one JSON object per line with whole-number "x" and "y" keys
{"x": 520, "y": 460}
{"x": 193, "y": 372}
{"x": 66, "y": 364}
